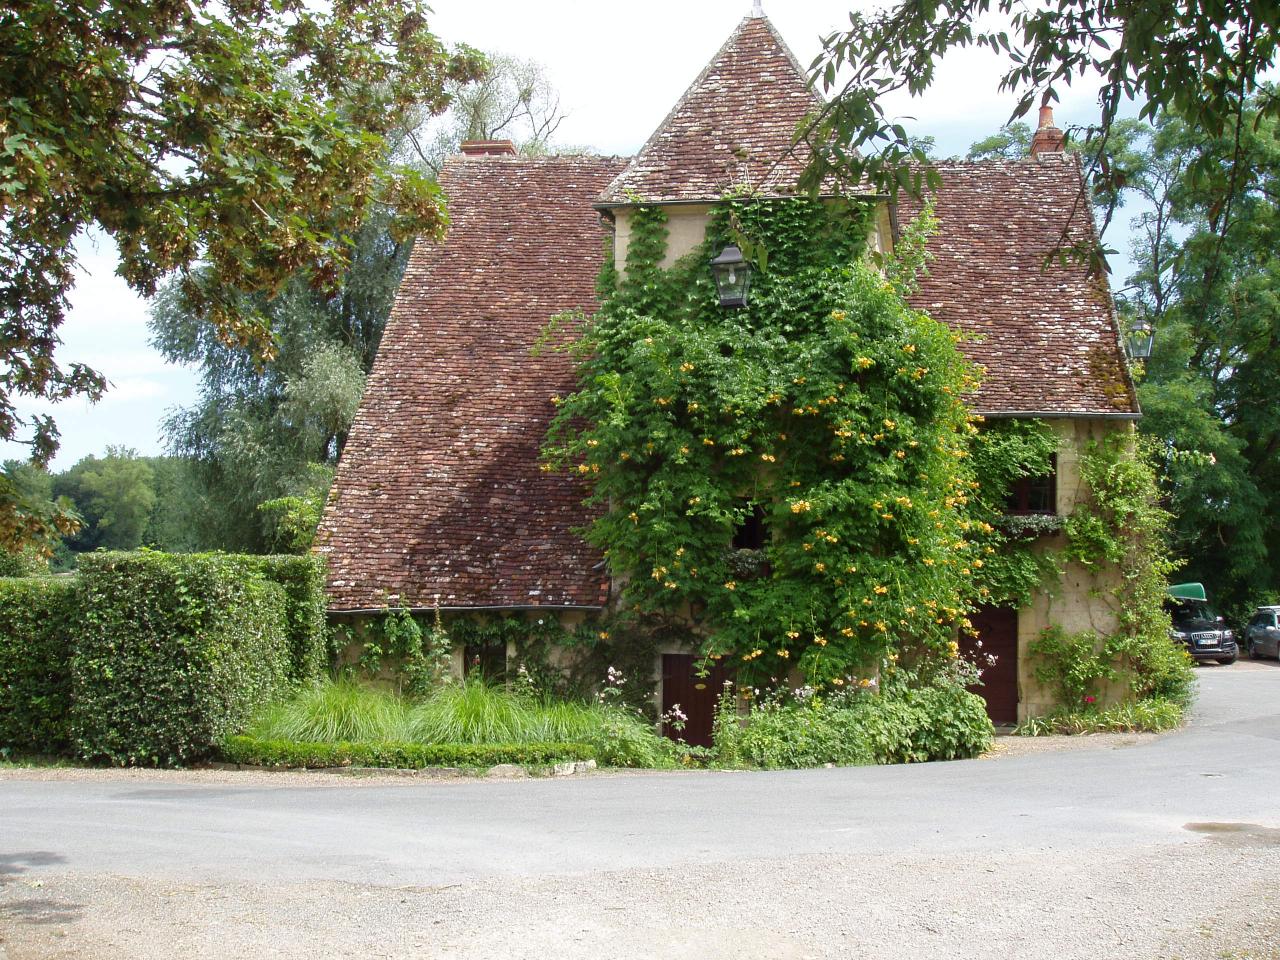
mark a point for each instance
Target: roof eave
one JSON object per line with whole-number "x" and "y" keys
{"x": 478, "y": 608}
{"x": 605, "y": 205}
{"x": 1059, "y": 414}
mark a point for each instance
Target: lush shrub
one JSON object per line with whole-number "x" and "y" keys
{"x": 412, "y": 756}
{"x": 460, "y": 714}
{"x": 902, "y": 726}
{"x": 37, "y": 616}
{"x": 302, "y": 579}
{"x": 1074, "y": 665}
{"x": 1151, "y": 715}
{"x": 174, "y": 653}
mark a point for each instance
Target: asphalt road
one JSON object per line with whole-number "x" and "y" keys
{"x": 1170, "y": 848}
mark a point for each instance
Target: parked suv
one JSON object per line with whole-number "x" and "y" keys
{"x": 1262, "y": 635}
{"x": 1205, "y": 635}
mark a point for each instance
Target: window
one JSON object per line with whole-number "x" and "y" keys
{"x": 488, "y": 660}
{"x": 750, "y": 533}
{"x": 1035, "y": 494}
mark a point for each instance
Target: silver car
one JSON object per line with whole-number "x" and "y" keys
{"x": 1262, "y": 635}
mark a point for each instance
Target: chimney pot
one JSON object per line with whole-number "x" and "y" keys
{"x": 1047, "y": 138}
{"x": 488, "y": 148}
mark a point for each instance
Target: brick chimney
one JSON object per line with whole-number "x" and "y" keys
{"x": 1047, "y": 138}
{"x": 488, "y": 148}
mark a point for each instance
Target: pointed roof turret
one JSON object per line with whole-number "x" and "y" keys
{"x": 733, "y": 126}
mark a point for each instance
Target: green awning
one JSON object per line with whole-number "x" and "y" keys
{"x": 1188, "y": 591}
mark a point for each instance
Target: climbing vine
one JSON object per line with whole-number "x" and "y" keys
{"x": 827, "y": 412}
{"x": 573, "y": 662}
{"x": 1122, "y": 527}
{"x": 1004, "y": 452}
{"x": 418, "y": 658}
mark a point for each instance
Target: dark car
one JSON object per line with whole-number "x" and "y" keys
{"x": 1204, "y": 634}
{"x": 1262, "y": 635}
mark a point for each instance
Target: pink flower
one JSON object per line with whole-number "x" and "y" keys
{"x": 1090, "y": 699}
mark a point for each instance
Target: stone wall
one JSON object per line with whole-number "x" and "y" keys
{"x": 1081, "y": 599}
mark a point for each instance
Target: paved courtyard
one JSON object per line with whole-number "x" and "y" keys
{"x": 1120, "y": 847}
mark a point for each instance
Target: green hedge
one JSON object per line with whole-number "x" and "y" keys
{"x": 302, "y": 579}
{"x": 907, "y": 726}
{"x": 174, "y": 652}
{"x": 37, "y": 617}
{"x": 408, "y": 756}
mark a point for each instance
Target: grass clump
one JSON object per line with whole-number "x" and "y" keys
{"x": 334, "y": 712}
{"x": 468, "y": 713}
{"x": 1151, "y": 715}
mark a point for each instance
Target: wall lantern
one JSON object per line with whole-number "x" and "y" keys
{"x": 1139, "y": 339}
{"x": 733, "y": 277}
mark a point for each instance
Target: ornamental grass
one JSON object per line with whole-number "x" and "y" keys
{"x": 471, "y": 712}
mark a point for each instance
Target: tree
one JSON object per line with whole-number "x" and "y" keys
{"x": 271, "y": 433}
{"x": 1012, "y": 142}
{"x": 1208, "y": 281}
{"x": 514, "y": 100}
{"x": 1201, "y": 61}
{"x": 114, "y": 495}
{"x": 247, "y": 137}
{"x": 32, "y": 522}
{"x": 177, "y": 502}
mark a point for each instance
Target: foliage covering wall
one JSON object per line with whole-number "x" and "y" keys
{"x": 831, "y": 417}
{"x": 827, "y": 404}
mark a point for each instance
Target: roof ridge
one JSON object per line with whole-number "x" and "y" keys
{"x": 536, "y": 158}
{"x": 701, "y": 81}
{"x": 683, "y": 99}
{"x": 795, "y": 61}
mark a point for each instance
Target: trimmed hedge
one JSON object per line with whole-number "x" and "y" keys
{"x": 37, "y": 618}
{"x": 174, "y": 653}
{"x": 302, "y": 579}
{"x": 405, "y": 756}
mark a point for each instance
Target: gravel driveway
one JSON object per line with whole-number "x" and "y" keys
{"x": 1122, "y": 847}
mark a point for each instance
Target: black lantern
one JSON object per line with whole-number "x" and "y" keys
{"x": 1139, "y": 340}
{"x": 733, "y": 277}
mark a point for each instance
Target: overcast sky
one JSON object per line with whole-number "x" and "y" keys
{"x": 619, "y": 68}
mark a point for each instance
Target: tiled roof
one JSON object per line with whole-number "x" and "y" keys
{"x": 733, "y": 126}
{"x": 1046, "y": 331}
{"x": 438, "y": 498}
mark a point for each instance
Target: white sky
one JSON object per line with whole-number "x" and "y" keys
{"x": 619, "y": 68}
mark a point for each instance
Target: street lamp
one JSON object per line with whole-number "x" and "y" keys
{"x": 733, "y": 277}
{"x": 1139, "y": 339}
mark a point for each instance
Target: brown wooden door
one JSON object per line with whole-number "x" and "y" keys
{"x": 997, "y": 629}
{"x": 696, "y": 696}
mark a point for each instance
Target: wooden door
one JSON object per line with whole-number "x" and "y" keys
{"x": 696, "y": 696}
{"x": 997, "y": 629}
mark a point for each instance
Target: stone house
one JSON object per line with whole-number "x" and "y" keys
{"x": 439, "y": 502}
